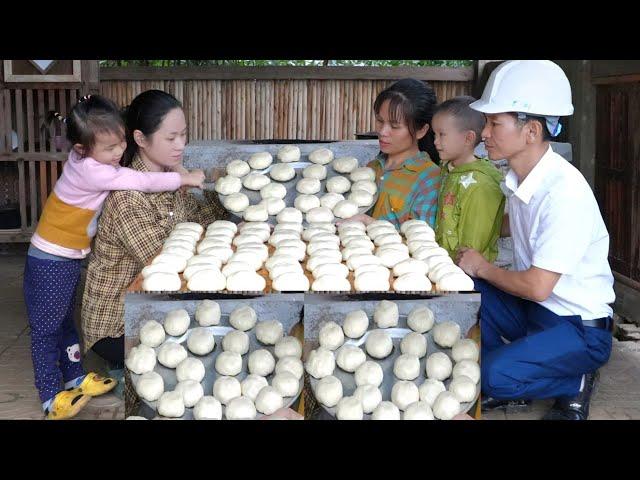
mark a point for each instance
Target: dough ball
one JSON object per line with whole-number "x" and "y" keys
{"x": 369, "y": 373}
{"x": 459, "y": 282}
{"x": 350, "y": 357}
{"x": 361, "y": 198}
{"x": 228, "y": 363}
{"x": 273, "y": 190}
{"x": 207, "y": 280}
{"x": 208, "y": 313}
{"x": 201, "y": 341}
{"x": 207, "y": 408}
{"x": 228, "y": 185}
{"x": 241, "y": 408}
{"x": 438, "y": 366}
{"x": 406, "y": 367}
{"x": 414, "y": 343}
{"x": 362, "y": 173}
{"x": 446, "y": 406}
{"x": 238, "y": 168}
{"x": 390, "y": 257}
{"x": 152, "y": 334}
{"x": 260, "y": 160}
{"x": 386, "y": 411}
{"x": 366, "y": 185}
{"x": 178, "y": 263}
{"x": 255, "y": 181}
{"x": 330, "y": 200}
{"x": 321, "y": 363}
{"x": 190, "y": 369}
{"x": 290, "y": 364}
{"x": 252, "y": 385}
{"x": 246, "y": 282}
{"x": 378, "y": 344}
{"x": 289, "y": 214}
{"x": 370, "y": 396}
{"x": 282, "y": 268}
{"x": 236, "y": 341}
{"x": 409, "y": 265}
{"x": 269, "y": 332}
{"x": 329, "y": 391}
{"x": 331, "y": 283}
{"x": 191, "y": 391}
{"x": 345, "y": 164}
{"x": 465, "y": 349}
{"x": 463, "y": 388}
{"x": 467, "y": 368}
{"x": 268, "y": 400}
{"x": 321, "y": 156}
{"x": 338, "y": 184}
{"x": 308, "y": 186}
{"x": 319, "y": 214}
{"x": 335, "y": 269}
{"x": 261, "y": 362}
{"x": 171, "y": 404}
{"x": 291, "y": 282}
{"x": 282, "y": 172}
{"x": 150, "y": 386}
{"x": 223, "y": 253}
{"x": 355, "y": 324}
{"x": 412, "y": 282}
{"x": 420, "y": 319}
{"x": 236, "y": 202}
{"x": 289, "y": 153}
{"x": 331, "y": 336}
{"x": 236, "y": 266}
{"x": 349, "y": 408}
{"x": 430, "y": 389}
{"x": 304, "y": 203}
{"x": 243, "y": 318}
{"x": 441, "y": 270}
{"x": 256, "y": 213}
{"x": 223, "y": 224}
{"x": 286, "y": 384}
{"x": 288, "y": 347}
{"x": 273, "y": 205}
{"x": 158, "y": 268}
{"x": 141, "y": 359}
{"x": 446, "y": 334}
{"x": 318, "y": 172}
{"x": 170, "y": 354}
{"x": 162, "y": 282}
{"x": 404, "y": 393}
{"x": 345, "y": 209}
{"x": 418, "y": 411}
{"x": 386, "y": 314}
{"x": 226, "y": 389}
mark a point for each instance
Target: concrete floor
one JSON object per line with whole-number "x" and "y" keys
{"x": 18, "y": 395}
{"x": 617, "y": 395}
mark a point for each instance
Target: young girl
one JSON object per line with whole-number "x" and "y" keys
{"x": 62, "y": 239}
{"x": 407, "y": 177}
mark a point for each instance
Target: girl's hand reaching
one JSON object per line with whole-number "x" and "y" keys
{"x": 192, "y": 179}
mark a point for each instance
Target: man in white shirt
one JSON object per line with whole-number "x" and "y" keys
{"x": 546, "y": 326}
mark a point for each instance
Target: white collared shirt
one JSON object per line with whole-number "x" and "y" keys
{"x": 556, "y": 225}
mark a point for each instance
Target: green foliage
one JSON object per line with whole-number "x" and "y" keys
{"x": 266, "y": 63}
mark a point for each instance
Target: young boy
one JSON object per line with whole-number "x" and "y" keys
{"x": 470, "y": 204}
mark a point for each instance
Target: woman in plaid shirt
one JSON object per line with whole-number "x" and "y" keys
{"x": 134, "y": 224}
{"x": 407, "y": 177}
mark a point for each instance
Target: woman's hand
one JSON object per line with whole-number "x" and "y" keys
{"x": 285, "y": 414}
{"x": 361, "y": 217}
{"x": 194, "y": 178}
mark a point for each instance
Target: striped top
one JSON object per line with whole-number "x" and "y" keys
{"x": 407, "y": 192}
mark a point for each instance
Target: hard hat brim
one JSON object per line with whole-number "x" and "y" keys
{"x": 492, "y": 108}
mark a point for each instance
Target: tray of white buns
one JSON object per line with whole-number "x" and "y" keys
{"x": 234, "y": 366}
{"x": 393, "y": 367}
{"x": 259, "y": 188}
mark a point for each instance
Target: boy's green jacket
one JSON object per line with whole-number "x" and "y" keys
{"x": 470, "y": 208}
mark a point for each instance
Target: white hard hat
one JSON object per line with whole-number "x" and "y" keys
{"x": 535, "y": 87}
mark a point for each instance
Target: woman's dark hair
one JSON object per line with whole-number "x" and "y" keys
{"x": 466, "y": 117}
{"x": 413, "y": 102}
{"x": 92, "y": 114}
{"x": 145, "y": 113}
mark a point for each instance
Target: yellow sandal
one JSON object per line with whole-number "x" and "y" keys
{"x": 94, "y": 385}
{"x": 67, "y": 404}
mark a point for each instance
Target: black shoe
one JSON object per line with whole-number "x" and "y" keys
{"x": 574, "y": 408}
{"x": 510, "y": 406}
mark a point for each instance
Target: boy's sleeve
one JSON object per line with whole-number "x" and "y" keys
{"x": 101, "y": 177}
{"x": 478, "y": 214}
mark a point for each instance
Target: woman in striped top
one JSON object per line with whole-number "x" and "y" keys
{"x": 408, "y": 180}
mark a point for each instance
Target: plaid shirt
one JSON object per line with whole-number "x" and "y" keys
{"x": 131, "y": 230}
{"x": 409, "y": 191}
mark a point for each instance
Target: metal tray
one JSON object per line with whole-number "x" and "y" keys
{"x": 389, "y": 379}
{"x": 292, "y": 193}
{"x": 219, "y": 331}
